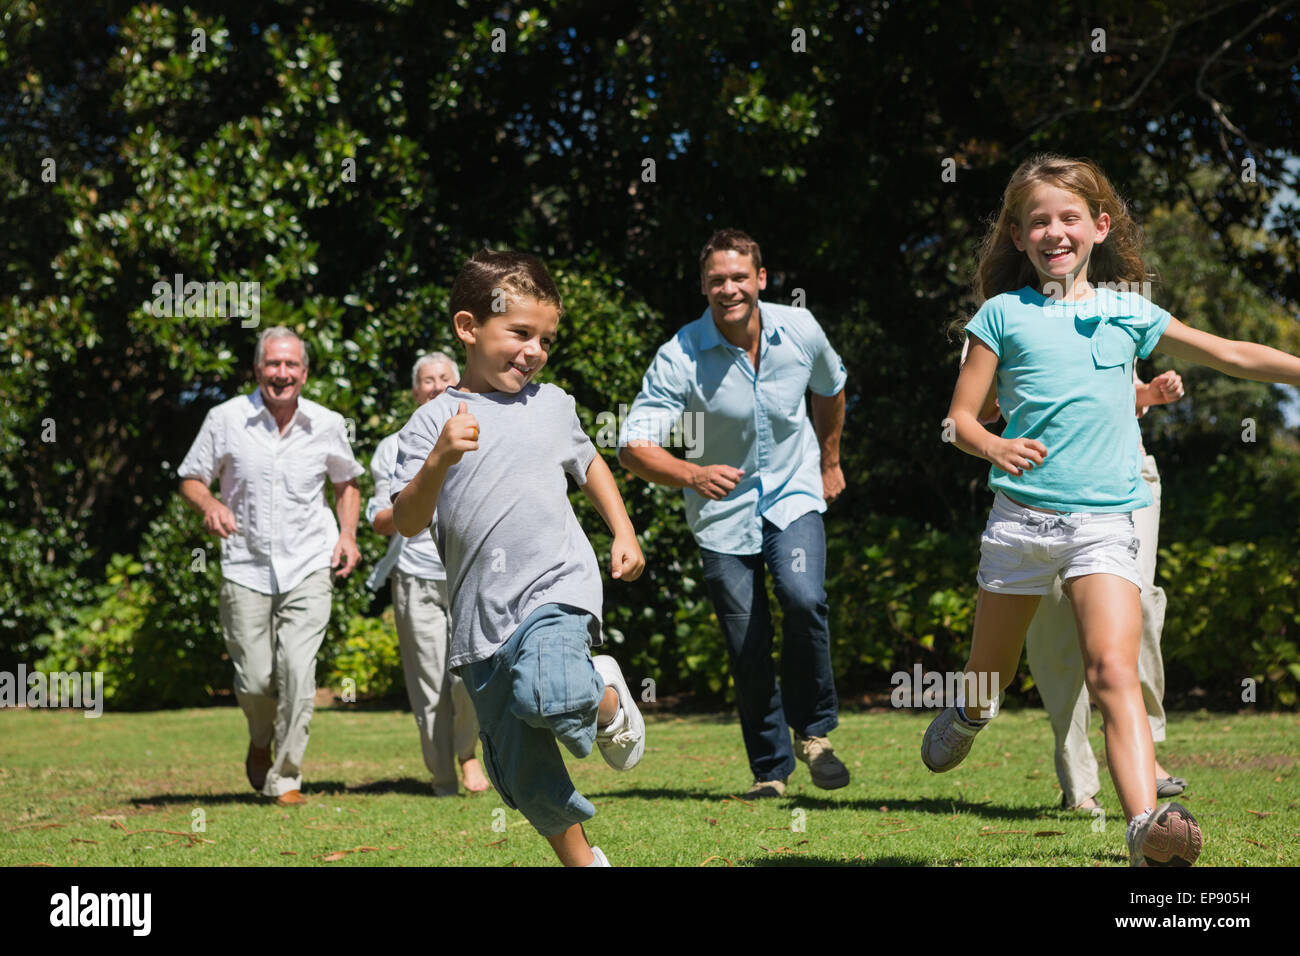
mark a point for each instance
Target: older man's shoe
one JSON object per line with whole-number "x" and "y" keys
{"x": 257, "y": 764}
{"x": 290, "y": 798}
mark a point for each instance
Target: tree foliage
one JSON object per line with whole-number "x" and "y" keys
{"x": 347, "y": 156}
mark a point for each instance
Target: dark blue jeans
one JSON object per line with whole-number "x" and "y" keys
{"x": 805, "y": 701}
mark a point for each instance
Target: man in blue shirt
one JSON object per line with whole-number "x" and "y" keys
{"x": 756, "y": 479}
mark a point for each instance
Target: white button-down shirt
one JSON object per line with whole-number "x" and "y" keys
{"x": 417, "y": 556}
{"x": 274, "y": 485}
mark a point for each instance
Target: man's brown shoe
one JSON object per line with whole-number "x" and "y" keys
{"x": 828, "y": 771}
{"x": 291, "y": 798}
{"x": 257, "y": 764}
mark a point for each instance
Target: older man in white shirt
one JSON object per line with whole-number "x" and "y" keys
{"x": 272, "y": 451}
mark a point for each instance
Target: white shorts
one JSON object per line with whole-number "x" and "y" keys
{"x": 1021, "y": 549}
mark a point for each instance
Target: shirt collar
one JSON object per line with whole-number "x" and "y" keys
{"x": 771, "y": 327}
{"x": 303, "y": 414}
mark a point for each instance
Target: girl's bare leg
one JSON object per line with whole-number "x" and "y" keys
{"x": 1109, "y": 615}
{"x": 1001, "y": 621}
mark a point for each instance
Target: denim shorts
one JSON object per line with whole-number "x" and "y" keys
{"x": 538, "y": 688}
{"x": 1022, "y": 549}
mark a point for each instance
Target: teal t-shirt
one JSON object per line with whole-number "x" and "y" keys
{"x": 1065, "y": 378}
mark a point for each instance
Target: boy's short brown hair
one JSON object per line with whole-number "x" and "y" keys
{"x": 489, "y": 279}
{"x": 731, "y": 240}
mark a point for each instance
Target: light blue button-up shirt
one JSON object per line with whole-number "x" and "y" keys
{"x": 702, "y": 393}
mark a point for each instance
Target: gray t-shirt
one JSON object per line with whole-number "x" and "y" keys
{"x": 504, "y": 526}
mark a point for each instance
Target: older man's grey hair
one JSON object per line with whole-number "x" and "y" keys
{"x": 433, "y": 358}
{"x": 277, "y": 332}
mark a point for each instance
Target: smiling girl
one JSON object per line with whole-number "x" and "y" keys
{"x": 1060, "y": 330}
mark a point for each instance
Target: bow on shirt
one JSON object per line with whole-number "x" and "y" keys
{"x": 1115, "y": 336}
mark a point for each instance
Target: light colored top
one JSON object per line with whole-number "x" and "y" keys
{"x": 1065, "y": 378}
{"x": 416, "y": 556}
{"x": 1141, "y": 413}
{"x": 504, "y": 526}
{"x": 274, "y": 485}
{"x": 1141, "y": 409}
{"x": 755, "y": 422}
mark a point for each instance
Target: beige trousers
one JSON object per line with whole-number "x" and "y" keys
{"x": 272, "y": 640}
{"x": 443, "y": 710}
{"x": 1052, "y": 646}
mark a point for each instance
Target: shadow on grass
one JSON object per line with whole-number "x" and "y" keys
{"x": 793, "y": 860}
{"x": 943, "y": 807}
{"x": 410, "y": 786}
{"x": 199, "y": 799}
{"x": 1033, "y": 859}
{"x": 407, "y": 785}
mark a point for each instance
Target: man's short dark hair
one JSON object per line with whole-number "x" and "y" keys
{"x": 489, "y": 279}
{"x": 731, "y": 240}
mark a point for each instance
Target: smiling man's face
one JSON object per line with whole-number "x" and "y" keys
{"x": 731, "y": 284}
{"x": 282, "y": 373}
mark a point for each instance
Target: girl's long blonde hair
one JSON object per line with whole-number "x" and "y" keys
{"x": 1004, "y": 268}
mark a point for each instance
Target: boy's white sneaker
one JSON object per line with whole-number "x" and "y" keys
{"x": 622, "y": 741}
{"x": 598, "y": 858}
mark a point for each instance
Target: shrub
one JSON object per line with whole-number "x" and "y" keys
{"x": 368, "y": 656}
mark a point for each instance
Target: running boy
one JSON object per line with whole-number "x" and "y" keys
{"x": 524, "y": 581}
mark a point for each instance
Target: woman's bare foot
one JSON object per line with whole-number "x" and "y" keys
{"x": 475, "y": 782}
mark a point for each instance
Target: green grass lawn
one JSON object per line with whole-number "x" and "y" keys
{"x": 95, "y": 792}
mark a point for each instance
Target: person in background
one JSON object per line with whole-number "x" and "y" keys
{"x": 443, "y": 711}
{"x": 273, "y": 450}
{"x": 755, "y": 484}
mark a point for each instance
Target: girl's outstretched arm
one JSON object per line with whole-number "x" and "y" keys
{"x": 1257, "y": 363}
{"x": 973, "y": 387}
